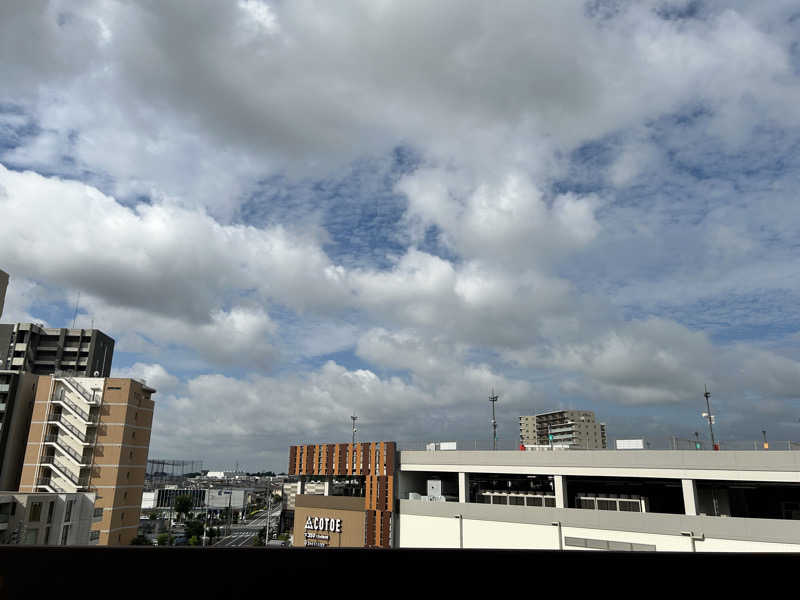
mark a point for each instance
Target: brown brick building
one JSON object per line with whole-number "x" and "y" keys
{"x": 92, "y": 434}
{"x": 373, "y": 463}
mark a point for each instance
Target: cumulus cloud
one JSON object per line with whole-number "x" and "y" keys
{"x": 607, "y": 222}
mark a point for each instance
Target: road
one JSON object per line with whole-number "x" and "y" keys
{"x": 242, "y": 534}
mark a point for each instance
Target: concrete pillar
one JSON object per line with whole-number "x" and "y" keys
{"x": 326, "y": 491}
{"x": 689, "y": 496}
{"x": 560, "y": 485}
{"x": 463, "y": 487}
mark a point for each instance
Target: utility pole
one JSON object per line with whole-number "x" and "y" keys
{"x": 269, "y": 509}
{"x": 354, "y": 418}
{"x": 493, "y": 400}
{"x": 710, "y": 418}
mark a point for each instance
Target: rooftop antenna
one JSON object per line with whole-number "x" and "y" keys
{"x": 354, "y": 418}
{"x": 75, "y": 315}
{"x": 493, "y": 400}
{"x": 709, "y": 417}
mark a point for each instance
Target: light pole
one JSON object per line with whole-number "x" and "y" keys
{"x": 460, "y": 518}
{"x": 710, "y": 418}
{"x": 560, "y": 540}
{"x": 764, "y": 433}
{"x": 493, "y": 400}
{"x": 269, "y": 509}
{"x": 693, "y": 538}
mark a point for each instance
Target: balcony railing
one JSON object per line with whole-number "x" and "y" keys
{"x": 78, "y": 388}
{"x": 82, "y": 414}
{"x": 82, "y": 437}
{"x": 53, "y": 438}
{"x": 48, "y": 481}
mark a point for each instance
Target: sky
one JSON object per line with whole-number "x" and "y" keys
{"x": 286, "y": 213}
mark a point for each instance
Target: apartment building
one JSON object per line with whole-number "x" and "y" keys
{"x": 17, "y": 392}
{"x": 92, "y": 434}
{"x": 43, "y": 518}
{"x": 576, "y": 429}
{"x": 3, "y": 287}
{"x": 35, "y": 349}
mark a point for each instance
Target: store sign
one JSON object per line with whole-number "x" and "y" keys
{"x": 324, "y": 524}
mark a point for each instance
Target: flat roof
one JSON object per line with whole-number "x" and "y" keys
{"x": 775, "y": 465}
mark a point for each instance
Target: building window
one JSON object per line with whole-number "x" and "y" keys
{"x": 68, "y": 512}
{"x": 50, "y": 512}
{"x": 36, "y": 512}
{"x": 31, "y": 536}
{"x": 65, "y": 535}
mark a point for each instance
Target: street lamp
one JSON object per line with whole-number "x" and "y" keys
{"x": 460, "y": 518}
{"x": 560, "y": 542}
{"x": 693, "y": 538}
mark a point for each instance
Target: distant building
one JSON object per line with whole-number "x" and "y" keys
{"x": 45, "y": 351}
{"x": 92, "y": 435}
{"x": 576, "y": 429}
{"x": 3, "y": 286}
{"x": 48, "y": 519}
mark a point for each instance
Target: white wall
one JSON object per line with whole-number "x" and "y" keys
{"x": 439, "y": 532}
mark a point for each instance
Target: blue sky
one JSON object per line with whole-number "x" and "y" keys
{"x": 285, "y": 212}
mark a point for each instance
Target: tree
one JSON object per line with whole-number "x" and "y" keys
{"x": 194, "y": 528}
{"x": 139, "y": 540}
{"x": 194, "y": 541}
{"x": 164, "y": 539}
{"x": 183, "y": 504}
{"x": 152, "y": 516}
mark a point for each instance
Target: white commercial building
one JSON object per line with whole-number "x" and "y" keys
{"x": 700, "y": 501}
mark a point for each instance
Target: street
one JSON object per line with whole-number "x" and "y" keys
{"x": 243, "y": 534}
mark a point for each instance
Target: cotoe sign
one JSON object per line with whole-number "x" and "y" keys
{"x": 324, "y": 524}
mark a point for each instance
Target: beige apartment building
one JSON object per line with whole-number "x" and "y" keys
{"x": 92, "y": 434}
{"x": 576, "y": 429}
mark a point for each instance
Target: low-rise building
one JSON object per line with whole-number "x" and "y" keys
{"x": 48, "y": 519}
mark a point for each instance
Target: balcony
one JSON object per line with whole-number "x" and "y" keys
{"x": 85, "y": 439}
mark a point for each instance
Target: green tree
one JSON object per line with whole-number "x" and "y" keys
{"x": 194, "y": 541}
{"x": 183, "y": 504}
{"x": 163, "y": 539}
{"x": 194, "y": 528}
{"x": 139, "y": 540}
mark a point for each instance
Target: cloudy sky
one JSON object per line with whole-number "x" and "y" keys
{"x": 285, "y": 212}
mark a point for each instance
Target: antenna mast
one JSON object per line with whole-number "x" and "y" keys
{"x": 493, "y": 400}
{"x": 354, "y": 418}
{"x": 75, "y": 315}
